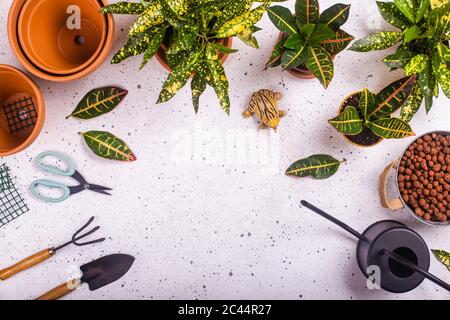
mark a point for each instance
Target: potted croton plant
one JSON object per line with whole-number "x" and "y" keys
{"x": 423, "y": 39}
{"x": 309, "y": 40}
{"x": 192, "y": 39}
{"x": 366, "y": 118}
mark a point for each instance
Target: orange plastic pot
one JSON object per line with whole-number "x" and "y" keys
{"x": 54, "y": 47}
{"x": 162, "y": 58}
{"x": 20, "y": 54}
{"x": 22, "y": 111}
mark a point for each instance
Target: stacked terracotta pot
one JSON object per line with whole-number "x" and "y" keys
{"x": 57, "y": 41}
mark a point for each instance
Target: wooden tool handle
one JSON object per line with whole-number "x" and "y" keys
{"x": 394, "y": 204}
{"x": 26, "y": 263}
{"x": 61, "y": 290}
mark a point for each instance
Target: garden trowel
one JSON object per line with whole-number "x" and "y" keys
{"x": 96, "y": 274}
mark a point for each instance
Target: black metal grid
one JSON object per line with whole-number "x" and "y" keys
{"x": 5, "y": 179}
{"x": 20, "y": 114}
{"x": 12, "y": 204}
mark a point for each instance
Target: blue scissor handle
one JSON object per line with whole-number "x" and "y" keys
{"x": 70, "y": 164}
{"x": 49, "y": 184}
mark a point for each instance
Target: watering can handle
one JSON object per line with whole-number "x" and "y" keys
{"x": 394, "y": 204}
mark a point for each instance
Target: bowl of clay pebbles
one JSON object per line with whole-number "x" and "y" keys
{"x": 423, "y": 179}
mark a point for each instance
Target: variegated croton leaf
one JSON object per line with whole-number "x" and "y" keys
{"x": 335, "y": 16}
{"x": 391, "y": 98}
{"x": 218, "y": 80}
{"x": 338, "y": 43}
{"x": 443, "y": 257}
{"x": 241, "y": 23}
{"x": 348, "y": 122}
{"x": 124, "y": 8}
{"x": 393, "y": 15}
{"x": 307, "y": 11}
{"x": 108, "y": 146}
{"x": 321, "y": 65}
{"x": 98, "y": 102}
{"x": 198, "y": 86}
{"x": 319, "y": 166}
{"x": 391, "y": 128}
{"x": 412, "y": 105}
{"x": 377, "y": 41}
{"x": 178, "y": 77}
{"x": 151, "y": 17}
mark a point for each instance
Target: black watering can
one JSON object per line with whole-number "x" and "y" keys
{"x": 400, "y": 254}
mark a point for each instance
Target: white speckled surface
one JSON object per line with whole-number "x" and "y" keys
{"x": 212, "y": 224}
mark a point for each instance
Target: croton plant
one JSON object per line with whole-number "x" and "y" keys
{"x": 310, "y": 39}
{"x": 423, "y": 47}
{"x": 191, "y": 30}
{"x": 375, "y": 112}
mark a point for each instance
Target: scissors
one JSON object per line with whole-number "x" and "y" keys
{"x": 70, "y": 172}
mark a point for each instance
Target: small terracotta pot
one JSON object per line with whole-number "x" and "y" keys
{"x": 161, "y": 53}
{"x": 20, "y": 123}
{"x": 51, "y": 45}
{"x": 301, "y": 71}
{"x": 351, "y": 100}
{"x": 19, "y": 52}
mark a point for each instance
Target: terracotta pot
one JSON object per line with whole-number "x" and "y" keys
{"x": 51, "y": 45}
{"x": 161, "y": 54}
{"x": 20, "y": 124}
{"x": 353, "y": 100}
{"x": 19, "y": 52}
{"x": 301, "y": 71}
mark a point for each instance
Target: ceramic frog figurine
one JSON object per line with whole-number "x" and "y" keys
{"x": 264, "y": 105}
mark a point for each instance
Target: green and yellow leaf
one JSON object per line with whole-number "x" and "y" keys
{"x": 377, "y": 41}
{"x": 391, "y": 98}
{"x": 233, "y": 9}
{"x": 241, "y": 23}
{"x": 108, "y": 146}
{"x": 319, "y": 62}
{"x": 153, "y": 45}
{"x": 418, "y": 64}
{"x": 438, "y": 3}
{"x": 444, "y": 78}
{"x": 427, "y": 83}
{"x": 248, "y": 38}
{"x": 319, "y": 166}
{"x": 444, "y": 52}
{"x": 178, "y": 77}
{"x": 393, "y": 15}
{"x": 277, "y": 52}
{"x": 124, "y": 8}
{"x": 307, "y": 11}
{"x": 283, "y": 19}
{"x": 422, "y": 10}
{"x": 321, "y": 33}
{"x": 366, "y": 103}
{"x": 408, "y": 8}
{"x": 151, "y": 17}
{"x": 335, "y": 16}
{"x": 98, "y": 102}
{"x": 338, "y": 43}
{"x": 218, "y": 78}
{"x": 391, "y": 128}
{"x": 198, "y": 86}
{"x": 399, "y": 59}
{"x": 443, "y": 257}
{"x": 348, "y": 122}
{"x": 412, "y": 105}
{"x": 138, "y": 44}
